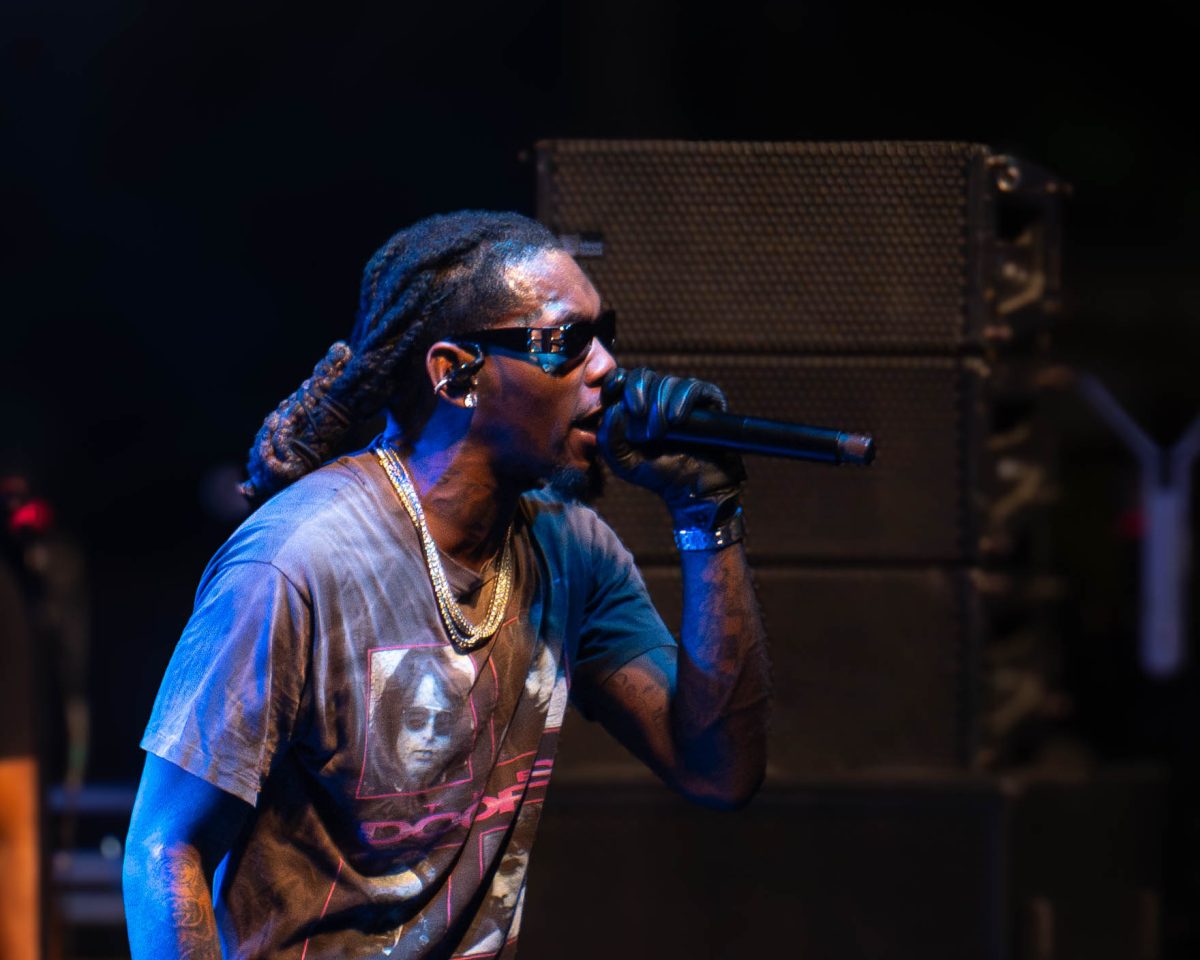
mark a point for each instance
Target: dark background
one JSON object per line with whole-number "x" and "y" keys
{"x": 190, "y": 191}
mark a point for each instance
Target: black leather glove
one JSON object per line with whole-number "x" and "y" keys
{"x": 701, "y": 488}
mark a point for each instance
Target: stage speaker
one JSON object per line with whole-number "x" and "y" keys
{"x": 952, "y": 448}
{"x": 872, "y": 669}
{"x": 729, "y": 248}
{"x": 899, "y": 289}
{"x": 940, "y": 868}
{"x": 875, "y": 287}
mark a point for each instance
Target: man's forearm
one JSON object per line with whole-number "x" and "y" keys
{"x": 168, "y": 904}
{"x": 720, "y": 706}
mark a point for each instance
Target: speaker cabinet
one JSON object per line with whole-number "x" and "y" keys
{"x": 911, "y": 505}
{"x": 872, "y": 670}
{"x": 913, "y": 248}
{"x": 941, "y": 868}
{"x": 900, "y": 289}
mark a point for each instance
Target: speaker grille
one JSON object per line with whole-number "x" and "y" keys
{"x": 888, "y": 288}
{"x": 908, "y": 506}
{"x": 744, "y": 247}
{"x": 872, "y": 665}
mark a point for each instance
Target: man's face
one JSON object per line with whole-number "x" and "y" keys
{"x": 541, "y": 423}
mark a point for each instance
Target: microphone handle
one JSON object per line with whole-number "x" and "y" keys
{"x": 774, "y": 438}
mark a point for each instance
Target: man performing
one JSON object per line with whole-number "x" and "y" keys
{"x": 349, "y": 751}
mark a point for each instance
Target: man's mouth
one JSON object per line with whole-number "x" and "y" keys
{"x": 589, "y": 423}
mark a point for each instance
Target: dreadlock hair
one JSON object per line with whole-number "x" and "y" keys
{"x": 441, "y": 276}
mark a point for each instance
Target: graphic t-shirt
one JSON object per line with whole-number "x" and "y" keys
{"x": 397, "y": 782}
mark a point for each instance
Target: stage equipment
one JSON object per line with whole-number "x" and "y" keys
{"x": 905, "y": 290}
{"x": 951, "y": 430}
{"x": 901, "y": 289}
{"x": 943, "y": 867}
{"x": 1166, "y": 553}
{"x": 804, "y": 248}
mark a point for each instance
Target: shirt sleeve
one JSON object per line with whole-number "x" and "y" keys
{"x": 229, "y": 700}
{"x": 620, "y": 622}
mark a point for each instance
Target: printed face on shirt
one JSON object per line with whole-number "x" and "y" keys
{"x": 506, "y": 886}
{"x": 421, "y": 729}
{"x": 426, "y": 728}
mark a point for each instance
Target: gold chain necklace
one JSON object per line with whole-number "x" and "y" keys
{"x": 464, "y": 635}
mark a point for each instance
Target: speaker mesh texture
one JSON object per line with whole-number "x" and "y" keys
{"x": 909, "y": 505}
{"x": 830, "y": 247}
{"x": 872, "y": 668}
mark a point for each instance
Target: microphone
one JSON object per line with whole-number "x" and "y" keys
{"x": 771, "y": 438}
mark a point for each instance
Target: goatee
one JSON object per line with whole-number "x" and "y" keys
{"x": 572, "y": 483}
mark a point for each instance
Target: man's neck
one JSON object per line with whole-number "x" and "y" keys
{"x": 468, "y": 508}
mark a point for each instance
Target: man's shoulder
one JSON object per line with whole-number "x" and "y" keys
{"x": 570, "y": 522}
{"x": 309, "y": 517}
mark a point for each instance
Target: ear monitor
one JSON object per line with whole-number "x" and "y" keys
{"x": 461, "y": 375}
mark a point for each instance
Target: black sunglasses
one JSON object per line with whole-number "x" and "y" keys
{"x": 563, "y": 344}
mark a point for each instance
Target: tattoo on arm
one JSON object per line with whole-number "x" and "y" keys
{"x": 641, "y": 694}
{"x": 721, "y": 707}
{"x": 644, "y": 685}
{"x": 189, "y": 900}
{"x": 723, "y": 665}
{"x": 698, "y": 715}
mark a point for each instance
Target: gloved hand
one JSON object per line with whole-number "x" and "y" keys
{"x": 701, "y": 488}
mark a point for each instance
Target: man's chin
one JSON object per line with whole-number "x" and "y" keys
{"x": 578, "y": 483}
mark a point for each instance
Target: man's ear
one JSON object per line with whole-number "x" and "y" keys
{"x": 451, "y": 369}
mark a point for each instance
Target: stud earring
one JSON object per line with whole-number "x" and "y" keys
{"x": 471, "y": 397}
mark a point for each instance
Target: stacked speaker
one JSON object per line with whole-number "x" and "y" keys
{"x": 898, "y": 289}
{"x": 894, "y": 288}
